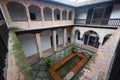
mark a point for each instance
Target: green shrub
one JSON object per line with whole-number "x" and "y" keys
{"x": 90, "y": 56}
{"x": 48, "y": 62}
{"x": 73, "y": 49}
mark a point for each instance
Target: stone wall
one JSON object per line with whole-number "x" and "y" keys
{"x": 99, "y": 69}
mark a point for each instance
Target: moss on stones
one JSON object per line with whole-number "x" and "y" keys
{"x": 19, "y": 57}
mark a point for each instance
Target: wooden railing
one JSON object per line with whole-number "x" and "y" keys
{"x": 99, "y": 21}
{"x": 3, "y": 46}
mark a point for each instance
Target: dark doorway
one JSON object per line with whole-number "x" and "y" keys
{"x": 68, "y": 39}
{"x": 58, "y": 16}
{"x": 1, "y": 16}
{"x": 106, "y": 38}
{"x": 51, "y": 41}
{"x": 85, "y": 39}
{"x": 57, "y": 39}
{"x": 91, "y": 41}
{"x": 78, "y": 36}
{"x": 97, "y": 42}
{"x": 32, "y": 16}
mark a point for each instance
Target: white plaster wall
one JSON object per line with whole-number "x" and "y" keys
{"x": 60, "y": 36}
{"x": 45, "y": 40}
{"x": 28, "y": 43}
{"x": 101, "y": 32}
{"x": 115, "y": 12}
{"x": 81, "y": 14}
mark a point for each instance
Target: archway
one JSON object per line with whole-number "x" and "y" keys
{"x": 47, "y": 14}
{"x": 17, "y": 11}
{"x": 70, "y": 15}
{"x": 57, "y": 14}
{"x": 91, "y": 38}
{"x": 64, "y": 15}
{"x": 35, "y": 13}
{"x": 77, "y": 36}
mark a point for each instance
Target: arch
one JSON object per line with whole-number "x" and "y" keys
{"x": 17, "y": 11}
{"x": 64, "y": 15}
{"x": 70, "y": 15}
{"x": 77, "y": 36}
{"x": 56, "y": 14}
{"x": 91, "y": 38}
{"x": 47, "y": 14}
{"x": 35, "y": 12}
{"x": 106, "y": 38}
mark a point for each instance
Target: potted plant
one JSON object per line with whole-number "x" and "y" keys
{"x": 90, "y": 56}
{"x": 48, "y": 62}
{"x": 73, "y": 49}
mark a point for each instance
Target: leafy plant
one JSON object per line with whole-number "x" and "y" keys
{"x": 64, "y": 79}
{"x": 48, "y": 62}
{"x": 90, "y": 56}
{"x": 73, "y": 49}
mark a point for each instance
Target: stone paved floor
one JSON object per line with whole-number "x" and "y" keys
{"x": 41, "y": 71}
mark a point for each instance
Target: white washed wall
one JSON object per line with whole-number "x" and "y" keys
{"x": 115, "y": 12}
{"x": 28, "y": 44}
{"x": 60, "y": 36}
{"x": 45, "y": 40}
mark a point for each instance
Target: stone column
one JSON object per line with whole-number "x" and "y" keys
{"x": 64, "y": 37}
{"x": 61, "y": 16}
{"x": 53, "y": 17}
{"x": 73, "y": 16}
{"x": 38, "y": 42}
{"x": 54, "y": 40}
{"x": 72, "y": 36}
{"x": 28, "y": 15}
{"x": 67, "y": 14}
{"x": 42, "y": 16}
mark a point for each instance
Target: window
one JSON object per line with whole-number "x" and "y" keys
{"x": 32, "y": 16}
{"x": 68, "y": 39}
